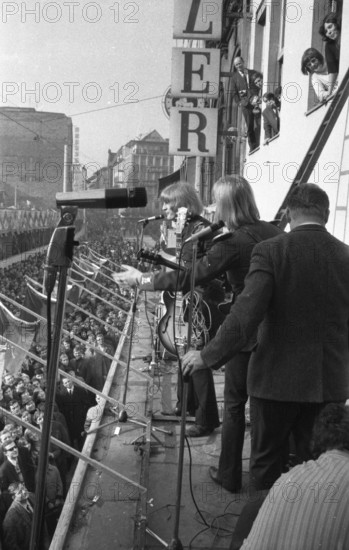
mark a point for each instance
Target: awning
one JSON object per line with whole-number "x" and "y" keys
{"x": 167, "y": 180}
{"x": 186, "y": 172}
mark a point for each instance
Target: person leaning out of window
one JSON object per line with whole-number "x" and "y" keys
{"x": 313, "y": 63}
{"x": 330, "y": 30}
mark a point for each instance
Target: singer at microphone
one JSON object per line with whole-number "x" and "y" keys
{"x": 133, "y": 277}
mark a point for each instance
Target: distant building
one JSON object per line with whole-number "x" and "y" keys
{"x": 32, "y": 154}
{"x": 140, "y": 163}
{"x": 99, "y": 179}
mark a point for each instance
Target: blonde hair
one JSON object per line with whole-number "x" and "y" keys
{"x": 182, "y": 194}
{"x": 235, "y": 202}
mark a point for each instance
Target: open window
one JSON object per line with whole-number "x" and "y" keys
{"x": 321, "y": 9}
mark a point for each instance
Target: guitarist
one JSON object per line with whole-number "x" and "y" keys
{"x": 201, "y": 392}
{"x": 236, "y": 206}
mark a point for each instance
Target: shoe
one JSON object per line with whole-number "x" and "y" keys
{"x": 198, "y": 431}
{"x": 213, "y": 473}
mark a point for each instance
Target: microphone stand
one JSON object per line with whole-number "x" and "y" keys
{"x": 132, "y": 323}
{"x": 123, "y": 417}
{"x": 59, "y": 258}
{"x": 175, "y": 543}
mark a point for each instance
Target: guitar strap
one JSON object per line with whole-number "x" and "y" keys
{"x": 255, "y": 238}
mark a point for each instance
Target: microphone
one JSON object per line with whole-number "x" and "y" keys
{"x": 104, "y": 198}
{"x": 222, "y": 236}
{"x": 205, "y": 233}
{"x": 59, "y": 254}
{"x": 151, "y": 219}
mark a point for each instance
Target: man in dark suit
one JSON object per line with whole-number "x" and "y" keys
{"x": 18, "y": 521}
{"x": 271, "y": 119}
{"x": 297, "y": 294}
{"x": 243, "y": 88}
{"x": 79, "y": 364}
{"x": 73, "y": 402}
{"x": 17, "y": 467}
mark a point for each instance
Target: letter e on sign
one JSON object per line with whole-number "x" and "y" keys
{"x": 195, "y": 72}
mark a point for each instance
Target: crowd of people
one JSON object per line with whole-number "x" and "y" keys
{"x": 247, "y": 84}
{"x": 90, "y": 338}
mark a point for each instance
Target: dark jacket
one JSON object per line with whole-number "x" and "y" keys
{"x": 9, "y": 475}
{"x": 17, "y": 528}
{"x": 193, "y": 225}
{"x": 230, "y": 256}
{"x": 332, "y": 56}
{"x": 74, "y": 408}
{"x": 243, "y": 88}
{"x": 297, "y": 293}
{"x": 271, "y": 122}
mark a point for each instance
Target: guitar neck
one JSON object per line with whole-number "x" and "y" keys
{"x": 168, "y": 257}
{"x": 178, "y": 245}
{"x": 181, "y": 219}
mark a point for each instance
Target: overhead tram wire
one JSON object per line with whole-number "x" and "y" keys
{"x": 118, "y": 105}
{"x": 93, "y": 110}
{"x": 41, "y": 137}
{"x": 45, "y": 123}
{"x": 77, "y": 114}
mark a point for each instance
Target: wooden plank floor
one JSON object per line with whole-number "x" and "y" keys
{"x": 120, "y": 517}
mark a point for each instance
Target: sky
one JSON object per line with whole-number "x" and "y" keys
{"x": 100, "y": 63}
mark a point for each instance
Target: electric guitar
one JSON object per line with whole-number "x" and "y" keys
{"x": 173, "y": 326}
{"x": 156, "y": 258}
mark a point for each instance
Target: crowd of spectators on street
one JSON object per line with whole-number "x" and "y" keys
{"x": 90, "y": 338}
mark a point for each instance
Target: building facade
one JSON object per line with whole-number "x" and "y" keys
{"x": 272, "y": 36}
{"x": 35, "y": 153}
{"x": 140, "y": 163}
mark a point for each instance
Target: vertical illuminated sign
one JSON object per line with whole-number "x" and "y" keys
{"x": 195, "y": 74}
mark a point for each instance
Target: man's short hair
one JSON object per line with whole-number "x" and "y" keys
{"x": 7, "y": 444}
{"x": 310, "y": 200}
{"x": 268, "y": 96}
{"x": 14, "y": 487}
{"x": 331, "y": 429}
{"x": 5, "y": 436}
